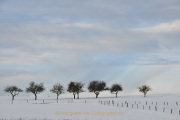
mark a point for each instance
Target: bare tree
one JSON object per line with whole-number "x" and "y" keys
{"x": 72, "y": 88}
{"x": 97, "y": 87}
{"x": 13, "y": 90}
{"x": 144, "y": 89}
{"x": 57, "y": 89}
{"x": 79, "y": 88}
{"x": 115, "y": 88}
{"x": 35, "y": 88}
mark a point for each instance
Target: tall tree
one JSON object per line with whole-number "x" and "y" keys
{"x": 97, "y": 87}
{"x": 144, "y": 89}
{"x": 35, "y": 88}
{"x": 57, "y": 89}
{"x": 13, "y": 90}
{"x": 72, "y": 88}
{"x": 115, "y": 88}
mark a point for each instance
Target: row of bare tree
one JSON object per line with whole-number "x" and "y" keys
{"x": 73, "y": 87}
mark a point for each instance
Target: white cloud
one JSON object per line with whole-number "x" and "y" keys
{"x": 63, "y": 41}
{"x": 170, "y": 27}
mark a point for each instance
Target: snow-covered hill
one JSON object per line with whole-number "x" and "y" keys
{"x": 154, "y": 107}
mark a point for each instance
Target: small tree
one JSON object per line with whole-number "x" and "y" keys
{"x": 144, "y": 89}
{"x": 97, "y": 87}
{"x": 13, "y": 90}
{"x": 79, "y": 88}
{"x": 115, "y": 88}
{"x": 72, "y": 88}
{"x": 35, "y": 88}
{"x": 57, "y": 89}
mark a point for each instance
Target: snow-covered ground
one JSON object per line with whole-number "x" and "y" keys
{"x": 124, "y": 108}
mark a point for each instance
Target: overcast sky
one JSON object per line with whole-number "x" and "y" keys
{"x": 118, "y": 41}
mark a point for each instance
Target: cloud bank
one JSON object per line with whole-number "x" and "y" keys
{"x": 132, "y": 43}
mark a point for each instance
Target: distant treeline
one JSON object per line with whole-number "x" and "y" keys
{"x": 73, "y": 87}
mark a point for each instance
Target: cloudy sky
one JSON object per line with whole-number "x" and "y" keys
{"x": 120, "y": 41}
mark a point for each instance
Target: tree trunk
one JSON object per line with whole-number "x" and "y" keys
{"x": 96, "y": 95}
{"x": 13, "y": 97}
{"x": 78, "y": 96}
{"x": 74, "y": 96}
{"x": 144, "y": 94}
{"x": 57, "y": 98}
{"x": 35, "y": 96}
{"x": 116, "y": 94}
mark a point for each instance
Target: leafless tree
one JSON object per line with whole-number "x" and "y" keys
{"x": 35, "y": 88}
{"x": 144, "y": 89}
{"x": 57, "y": 89}
{"x": 115, "y": 88}
{"x": 96, "y": 87}
{"x": 13, "y": 90}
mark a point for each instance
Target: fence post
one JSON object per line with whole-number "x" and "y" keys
{"x": 171, "y": 111}
{"x": 164, "y": 109}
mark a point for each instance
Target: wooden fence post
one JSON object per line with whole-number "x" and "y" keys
{"x": 164, "y": 109}
{"x": 156, "y": 108}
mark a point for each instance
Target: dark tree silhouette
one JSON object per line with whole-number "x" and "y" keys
{"x": 35, "y": 88}
{"x": 79, "y": 88}
{"x": 72, "y": 88}
{"x": 75, "y": 88}
{"x": 57, "y": 89}
{"x": 97, "y": 87}
{"x": 144, "y": 89}
{"x": 115, "y": 88}
{"x": 13, "y": 90}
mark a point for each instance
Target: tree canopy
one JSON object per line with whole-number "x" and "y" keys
{"x": 13, "y": 90}
{"x": 97, "y": 86}
{"x": 35, "y": 88}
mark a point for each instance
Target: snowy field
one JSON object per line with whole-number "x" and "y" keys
{"x": 154, "y": 107}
